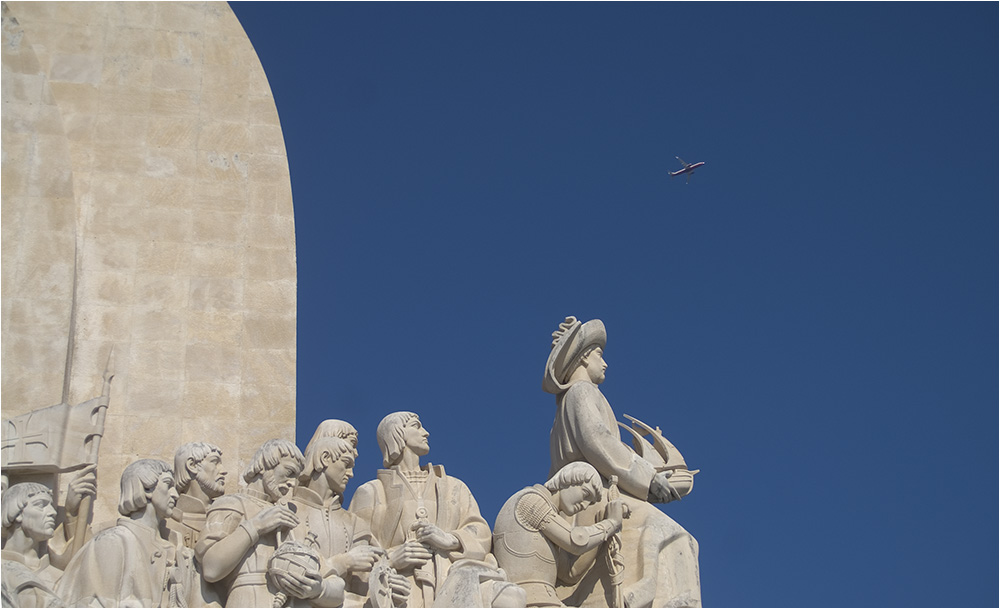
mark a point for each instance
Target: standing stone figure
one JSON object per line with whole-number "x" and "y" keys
{"x": 535, "y": 541}
{"x": 131, "y": 564}
{"x": 245, "y": 529}
{"x": 29, "y": 522}
{"x": 661, "y": 558}
{"x": 424, "y": 518}
{"x": 200, "y": 479}
{"x": 341, "y": 538}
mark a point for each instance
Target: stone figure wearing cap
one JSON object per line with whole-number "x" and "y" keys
{"x": 661, "y": 557}
{"x": 425, "y": 519}
{"x": 132, "y": 564}
{"x": 342, "y": 540}
{"x": 535, "y": 541}
{"x": 243, "y": 531}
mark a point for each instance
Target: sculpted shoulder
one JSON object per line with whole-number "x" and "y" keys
{"x": 230, "y": 503}
{"x": 581, "y": 391}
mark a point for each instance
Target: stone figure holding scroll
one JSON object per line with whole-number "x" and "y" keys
{"x": 661, "y": 558}
{"x": 535, "y": 541}
{"x": 425, "y": 519}
{"x": 131, "y": 564}
{"x": 342, "y": 540}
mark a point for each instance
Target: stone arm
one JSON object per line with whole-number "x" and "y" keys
{"x": 226, "y": 539}
{"x": 598, "y": 439}
{"x": 579, "y": 539}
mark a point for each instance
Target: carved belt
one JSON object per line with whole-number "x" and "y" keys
{"x": 250, "y": 579}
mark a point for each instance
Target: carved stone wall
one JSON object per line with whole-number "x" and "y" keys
{"x": 146, "y": 205}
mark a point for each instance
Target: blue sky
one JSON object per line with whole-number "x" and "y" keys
{"x": 812, "y": 320}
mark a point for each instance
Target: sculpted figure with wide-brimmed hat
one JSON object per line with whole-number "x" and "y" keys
{"x": 661, "y": 558}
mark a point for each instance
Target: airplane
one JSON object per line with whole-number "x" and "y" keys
{"x": 688, "y": 169}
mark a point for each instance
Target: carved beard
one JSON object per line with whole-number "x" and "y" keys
{"x": 211, "y": 486}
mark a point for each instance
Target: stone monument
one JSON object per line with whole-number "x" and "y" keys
{"x": 147, "y": 230}
{"x": 146, "y": 206}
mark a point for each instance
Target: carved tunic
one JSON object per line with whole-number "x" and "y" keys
{"x": 585, "y": 429}
{"x": 247, "y": 583}
{"x": 126, "y": 565}
{"x": 333, "y": 530}
{"x": 29, "y": 586}
{"x": 189, "y": 519}
{"x": 390, "y": 504}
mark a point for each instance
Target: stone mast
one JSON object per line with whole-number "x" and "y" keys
{"x": 146, "y": 206}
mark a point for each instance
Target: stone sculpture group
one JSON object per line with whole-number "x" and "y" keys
{"x": 413, "y": 537}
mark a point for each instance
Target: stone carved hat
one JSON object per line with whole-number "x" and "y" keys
{"x": 569, "y": 342}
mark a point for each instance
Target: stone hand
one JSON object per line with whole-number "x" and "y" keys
{"x": 400, "y": 589}
{"x": 436, "y": 538}
{"x": 409, "y": 555}
{"x": 83, "y": 484}
{"x": 362, "y": 558}
{"x": 304, "y": 586}
{"x": 615, "y": 512}
{"x": 671, "y": 485}
{"x": 274, "y": 517}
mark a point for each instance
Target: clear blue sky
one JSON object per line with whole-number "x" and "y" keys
{"x": 812, "y": 320}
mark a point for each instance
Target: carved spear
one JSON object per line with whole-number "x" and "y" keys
{"x": 98, "y": 415}
{"x": 614, "y": 558}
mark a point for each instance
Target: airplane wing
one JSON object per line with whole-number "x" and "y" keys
{"x": 683, "y": 162}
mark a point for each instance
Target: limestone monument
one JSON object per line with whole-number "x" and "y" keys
{"x": 147, "y": 206}
{"x": 660, "y": 558}
{"x": 147, "y": 227}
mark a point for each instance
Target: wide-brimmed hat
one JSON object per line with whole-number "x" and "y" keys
{"x": 569, "y": 342}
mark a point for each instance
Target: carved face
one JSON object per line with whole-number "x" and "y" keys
{"x": 210, "y": 476}
{"x": 164, "y": 496}
{"x": 38, "y": 519}
{"x": 415, "y": 437}
{"x": 575, "y": 499}
{"x": 281, "y": 479}
{"x": 340, "y": 472}
{"x": 595, "y": 365}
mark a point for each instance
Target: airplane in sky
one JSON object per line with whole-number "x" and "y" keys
{"x": 688, "y": 169}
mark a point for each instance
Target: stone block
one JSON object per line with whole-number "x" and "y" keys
{"x": 215, "y": 362}
{"x": 76, "y": 68}
{"x": 215, "y": 326}
{"x": 225, "y": 228}
{"x": 173, "y": 132}
{"x": 269, "y": 264}
{"x": 214, "y": 261}
{"x": 269, "y": 331}
{"x": 215, "y": 294}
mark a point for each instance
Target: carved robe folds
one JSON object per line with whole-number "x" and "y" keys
{"x": 585, "y": 429}
{"x": 128, "y": 565}
{"x": 390, "y": 504}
